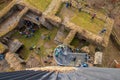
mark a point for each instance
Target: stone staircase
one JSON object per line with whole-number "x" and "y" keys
{"x": 14, "y": 61}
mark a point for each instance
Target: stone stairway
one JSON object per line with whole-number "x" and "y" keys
{"x": 14, "y": 61}
{"x": 70, "y": 37}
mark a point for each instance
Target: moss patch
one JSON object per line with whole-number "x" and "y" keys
{"x": 39, "y": 4}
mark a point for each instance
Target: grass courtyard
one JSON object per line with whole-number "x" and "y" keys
{"x": 82, "y": 19}
{"x": 39, "y": 4}
{"x": 45, "y": 45}
{"x": 77, "y": 43}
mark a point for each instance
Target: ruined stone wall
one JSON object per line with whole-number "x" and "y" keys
{"x": 70, "y": 37}
{"x": 10, "y": 12}
{"x": 13, "y": 26}
{"x": 7, "y": 15}
{"x": 56, "y": 21}
{"x": 116, "y": 40}
{"x": 7, "y": 8}
{"x": 90, "y": 37}
{"x": 14, "y": 61}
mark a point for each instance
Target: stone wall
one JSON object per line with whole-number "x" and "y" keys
{"x": 7, "y": 8}
{"x": 14, "y": 61}
{"x": 56, "y": 21}
{"x": 116, "y": 40}
{"x": 90, "y": 37}
{"x": 70, "y": 37}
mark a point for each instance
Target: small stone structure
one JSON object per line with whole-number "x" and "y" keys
{"x": 70, "y": 37}
{"x": 15, "y": 45}
{"x": 14, "y": 61}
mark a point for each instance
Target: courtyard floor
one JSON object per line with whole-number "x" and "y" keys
{"x": 44, "y": 44}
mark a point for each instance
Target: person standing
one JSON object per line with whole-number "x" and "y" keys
{"x": 93, "y": 16}
{"x": 67, "y": 4}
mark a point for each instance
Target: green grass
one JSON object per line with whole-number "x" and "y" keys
{"x": 75, "y": 42}
{"x": 83, "y": 20}
{"x": 28, "y": 42}
{"x": 35, "y": 40}
{"x": 39, "y": 4}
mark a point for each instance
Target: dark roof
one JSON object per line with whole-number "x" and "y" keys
{"x": 79, "y": 74}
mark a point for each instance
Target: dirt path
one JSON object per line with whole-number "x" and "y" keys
{"x": 110, "y": 53}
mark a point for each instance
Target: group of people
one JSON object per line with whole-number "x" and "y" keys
{"x": 29, "y": 29}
